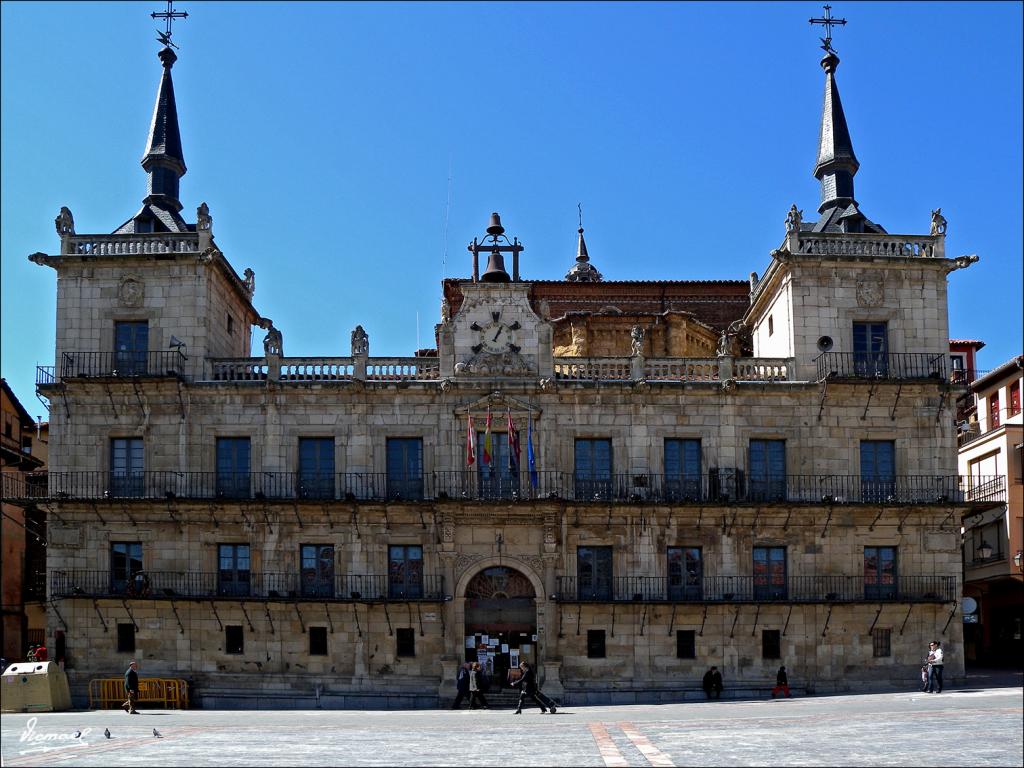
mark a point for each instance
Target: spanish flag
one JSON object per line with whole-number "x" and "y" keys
{"x": 470, "y": 442}
{"x": 488, "y": 447}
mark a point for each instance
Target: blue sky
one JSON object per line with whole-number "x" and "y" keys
{"x": 321, "y": 135}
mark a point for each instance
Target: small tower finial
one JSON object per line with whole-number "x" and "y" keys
{"x": 582, "y": 271}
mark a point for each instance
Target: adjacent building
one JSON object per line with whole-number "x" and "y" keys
{"x": 993, "y": 442}
{"x": 624, "y": 482}
{"x": 23, "y": 450}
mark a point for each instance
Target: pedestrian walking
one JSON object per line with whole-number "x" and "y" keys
{"x": 476, "y": 682}
{"x": 781, "y": 683}
{"x": 934, "y": 663}
{"x": 131, "y": 687}
{"x": 712, "y": 683}
{"x": 461, "y": 686}
{"x": 41, "y": 653}
{"x": 528, "y": 689}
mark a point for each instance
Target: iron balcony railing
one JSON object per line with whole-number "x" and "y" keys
{"x": 756, "y": 589}
{"x": 720, "y": 486}
{"x": 891, "y": 366}
{"x": 235, "y": 584}
{"x": 77, "y": 365}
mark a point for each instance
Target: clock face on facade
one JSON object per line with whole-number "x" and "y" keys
{"x": 496, "y": 337}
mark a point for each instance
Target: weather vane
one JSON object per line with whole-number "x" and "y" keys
{"x": 828, "y": 22}
{"x": 169, "y": 16}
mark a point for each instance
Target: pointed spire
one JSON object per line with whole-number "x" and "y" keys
{"x": 164, "y": 161}
{"x": 583, "y": 271}
{"x": 837, "y": 164}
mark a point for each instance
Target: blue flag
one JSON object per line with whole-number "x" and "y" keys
{"x": 531, "y": 458}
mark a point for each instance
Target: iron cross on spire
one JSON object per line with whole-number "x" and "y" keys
{"x": 169, "y": 16}
{"x": 828, "y": 22}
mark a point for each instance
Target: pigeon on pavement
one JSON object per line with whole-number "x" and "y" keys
{"x": 157, "y": 733}
{"x": 106, "y": 732}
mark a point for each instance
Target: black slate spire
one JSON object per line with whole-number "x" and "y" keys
{"x": 164, "y": 163}
{"x": 837, "y": 164}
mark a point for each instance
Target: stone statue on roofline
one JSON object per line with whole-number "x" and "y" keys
{"x": 249, "y": 281}
{"x": 65, "y": 222}
{"x": 273, "y": 342}
{"x": 794, "y": 219}
{"x": 360, "y": 342}
{"x": 636, "y": 335}
{"x": 204, "y": 221}
{"x": 938, "y": 223}
{"x": 729, "y": 341}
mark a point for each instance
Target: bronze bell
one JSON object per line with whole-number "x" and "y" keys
{"x": 495, "y": 272}
{"x": 495, "y": 227}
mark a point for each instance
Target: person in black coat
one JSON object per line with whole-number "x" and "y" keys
{"x": 131, "y": 687}
{"x": 781, "y": 683}
{"x": 712, "y": 683}
{"x": 462, "y": 686}
{"x": 528, "y": 688}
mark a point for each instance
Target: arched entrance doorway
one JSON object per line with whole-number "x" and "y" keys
{"x": 501, "y": 621}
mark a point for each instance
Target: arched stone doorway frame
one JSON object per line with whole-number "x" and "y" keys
{"x": 476, "y": 567}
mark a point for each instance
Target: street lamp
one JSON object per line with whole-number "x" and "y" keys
{"x": 984, "y": 551}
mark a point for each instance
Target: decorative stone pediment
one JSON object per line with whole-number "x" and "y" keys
{"x": 497, "y": 402}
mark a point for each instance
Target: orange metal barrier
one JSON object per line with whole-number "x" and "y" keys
{"x": 108, "y": 693}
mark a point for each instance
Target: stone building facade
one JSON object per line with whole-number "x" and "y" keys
{"x": 621, "y": 482}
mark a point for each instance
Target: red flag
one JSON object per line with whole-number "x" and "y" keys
{"x": 513, "y": 444}
{"x": 470, "y": 442}
{"x": 488, "y": 449}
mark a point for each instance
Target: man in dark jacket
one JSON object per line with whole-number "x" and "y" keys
{"x": 527, "y": 683}
{"x": 781, "y": 683}
{"x": 461, "y": 685}
{"x": 712, "y": 683}
{"x": 131, "y": 687}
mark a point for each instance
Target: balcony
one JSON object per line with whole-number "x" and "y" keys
{"x": 905, "y": 366}
{"x": 92, "y": 365}
{"x": 270, "y": 586}
{"x": 753, "y": 589}
{"x": 719, "y": 487}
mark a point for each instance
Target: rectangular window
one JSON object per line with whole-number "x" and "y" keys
{"x": 233, "y": 467}
{"x": 771, "y": 645}
{"x": 126, "y": 467}
{"x": 682, "y": 470}
{"x": 770, "y": 573}
{"x": 879, "y": 573}
{"x": 500, "y": 478}
{"x": 234, "y": 640}
{"x": 767, "y": 470}
{"x": 405, "y": 467}
{"x": 771, "y": 325}
{"x": 126, "y": 638}
{"x": 685, "y": 573}
{"x": 593, "y": 468}
{"x": 405, "y": 641}
{"x": 1015, "y": 397}
{"x": 316, "y": 467}
{"x": 686, "y": 644}
{"x": 993, "y": 410}
{"x": 881, "y": 642}
{"x": 871, "y": 350}
{"x": 317, "y": 570}
{"x": 125, "y": 562}
{"x": 233, "y": 576}
{"x": 231, "y": 324}
{"x": 595, "y": 644}
{"x": 131, "y": 343}
{"x": 878, "y": 471}
{"x": 594, "y": 572}
{"x": 318, "y": 641}
{"x": 405, "y": 571}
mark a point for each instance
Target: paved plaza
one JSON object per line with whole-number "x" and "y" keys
{"x": 970, "y": 726}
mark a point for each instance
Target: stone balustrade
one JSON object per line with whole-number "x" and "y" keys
{"x": 593, "y": 368}
{"x": 681, "y": 369}
{"x": 403, "y": 369}
{"x": 239, "y": 369}
{"x": 761, "y": 369}
{"x": 317, "y": 369}
{"x": 843, "y": 244}
{"x": 130, "y": 245}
